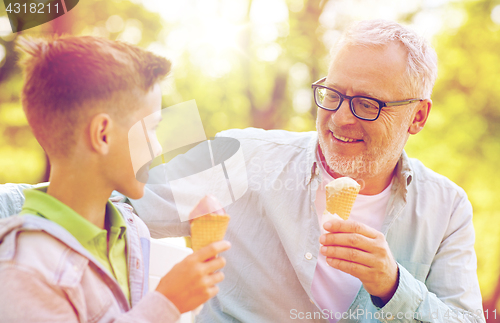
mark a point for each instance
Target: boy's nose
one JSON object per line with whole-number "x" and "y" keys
{"x": 157, "y": 150}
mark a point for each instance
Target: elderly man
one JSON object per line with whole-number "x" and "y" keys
{"x": 407, "y": 251}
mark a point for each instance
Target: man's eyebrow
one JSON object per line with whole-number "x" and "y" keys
{"x": 372, "y": 95}
{"x": 362, "y": 93}
{"x": 329, "y": 84}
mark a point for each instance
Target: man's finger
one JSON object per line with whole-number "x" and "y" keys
{"x": 350, "y": 226}
{"x": 211, "y": 250}
{"x": 348, "y": 267}
{"x": 348, "y": 254}
{"x": 352, "y": 240}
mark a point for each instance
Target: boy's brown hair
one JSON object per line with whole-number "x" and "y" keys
{"x": 66, "y": 77}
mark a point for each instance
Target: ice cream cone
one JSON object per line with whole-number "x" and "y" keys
{"x": 208, "y": 223}
{"x": 340, "y": 196}
{"x": 207, "y": 229}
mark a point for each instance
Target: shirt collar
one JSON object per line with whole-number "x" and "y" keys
{"x": 40, "y": 203}
{"x": 404, "y": 172}
{"x": 115, "y": 219}
{"x": 311, "y": 157}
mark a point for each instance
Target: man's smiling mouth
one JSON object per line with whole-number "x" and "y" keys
{"x": 345, "y": 139}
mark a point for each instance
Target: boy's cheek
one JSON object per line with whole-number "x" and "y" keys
{"x": 142, "y": 175}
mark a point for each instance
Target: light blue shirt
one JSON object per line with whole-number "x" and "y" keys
{"x": 274, "y": 232}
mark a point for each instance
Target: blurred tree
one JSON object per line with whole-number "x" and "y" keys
{"x": 461, "y": 140}
{"x": 21, "y": 158}
{"x": 268, "y": 85}
{"x": 302, "y": 45}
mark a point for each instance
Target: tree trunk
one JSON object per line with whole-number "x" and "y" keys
{"x": 490, "y": 304}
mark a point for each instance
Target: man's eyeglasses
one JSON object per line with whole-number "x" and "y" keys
{"x": 363, "y": 107}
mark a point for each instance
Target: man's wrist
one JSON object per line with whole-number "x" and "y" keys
{"x": 381, "y": 301}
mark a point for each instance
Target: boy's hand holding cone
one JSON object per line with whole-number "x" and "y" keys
{"x": 210, "y": 226}
{"x": 193, "y": 281}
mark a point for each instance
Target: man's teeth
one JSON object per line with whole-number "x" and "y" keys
{"x": 344, "y": 139}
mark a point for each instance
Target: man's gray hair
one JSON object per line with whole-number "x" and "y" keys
{"x": 421, "y": 66}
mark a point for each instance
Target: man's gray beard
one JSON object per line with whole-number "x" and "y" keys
{"x": 357, "y": 167}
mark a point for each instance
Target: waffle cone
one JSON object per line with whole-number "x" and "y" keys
{"x": 207, "y": 229}
{"x": 340, "y": 196}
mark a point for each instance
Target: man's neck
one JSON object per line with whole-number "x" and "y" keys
{"x": 370, "y": 185}
{"x": 81, "y": 191}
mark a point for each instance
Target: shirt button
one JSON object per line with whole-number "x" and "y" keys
{"x": 390, "y": 317}
{"x": 308, "y": 256}
{"x": 130, "y": 220}
{"x": 138, "y": 264}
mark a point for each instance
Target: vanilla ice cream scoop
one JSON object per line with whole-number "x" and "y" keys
{"x": 340, "y": 196}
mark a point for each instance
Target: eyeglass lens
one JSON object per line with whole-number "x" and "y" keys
{"x": 364, "y": 108}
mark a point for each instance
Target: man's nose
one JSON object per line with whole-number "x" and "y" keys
{"x": 343, "y": 116}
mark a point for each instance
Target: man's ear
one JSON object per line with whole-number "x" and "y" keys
{"x": 100, "y": 130}
{"x": 420, "y": 116}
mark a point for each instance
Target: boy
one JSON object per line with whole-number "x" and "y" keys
{"x": 72, "y": 255}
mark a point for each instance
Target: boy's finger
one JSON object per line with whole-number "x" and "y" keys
{"x": 215, "y": 278}
{"x": 211, "y": 250}
{"x": 214, "y": 264}
{"x": 212, "y": 291}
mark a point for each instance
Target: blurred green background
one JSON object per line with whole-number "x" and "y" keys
{"x": 251, "y": 63}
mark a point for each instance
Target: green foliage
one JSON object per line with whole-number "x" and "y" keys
{"x": 21, "y": 158}
{"x": 461, "y": 139}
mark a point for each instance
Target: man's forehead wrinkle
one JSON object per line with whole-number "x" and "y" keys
{"x": 379, "y": 77}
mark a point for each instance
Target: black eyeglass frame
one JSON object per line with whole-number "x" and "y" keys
{"x": 381, "y": 104}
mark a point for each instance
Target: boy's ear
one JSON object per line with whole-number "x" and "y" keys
{"x": 100, "y": 130}
{"x": 420, "y": 117}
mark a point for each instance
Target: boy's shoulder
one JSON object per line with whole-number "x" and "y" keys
{"x": 39, "y": 246}
{"x": 34, "y": 242}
